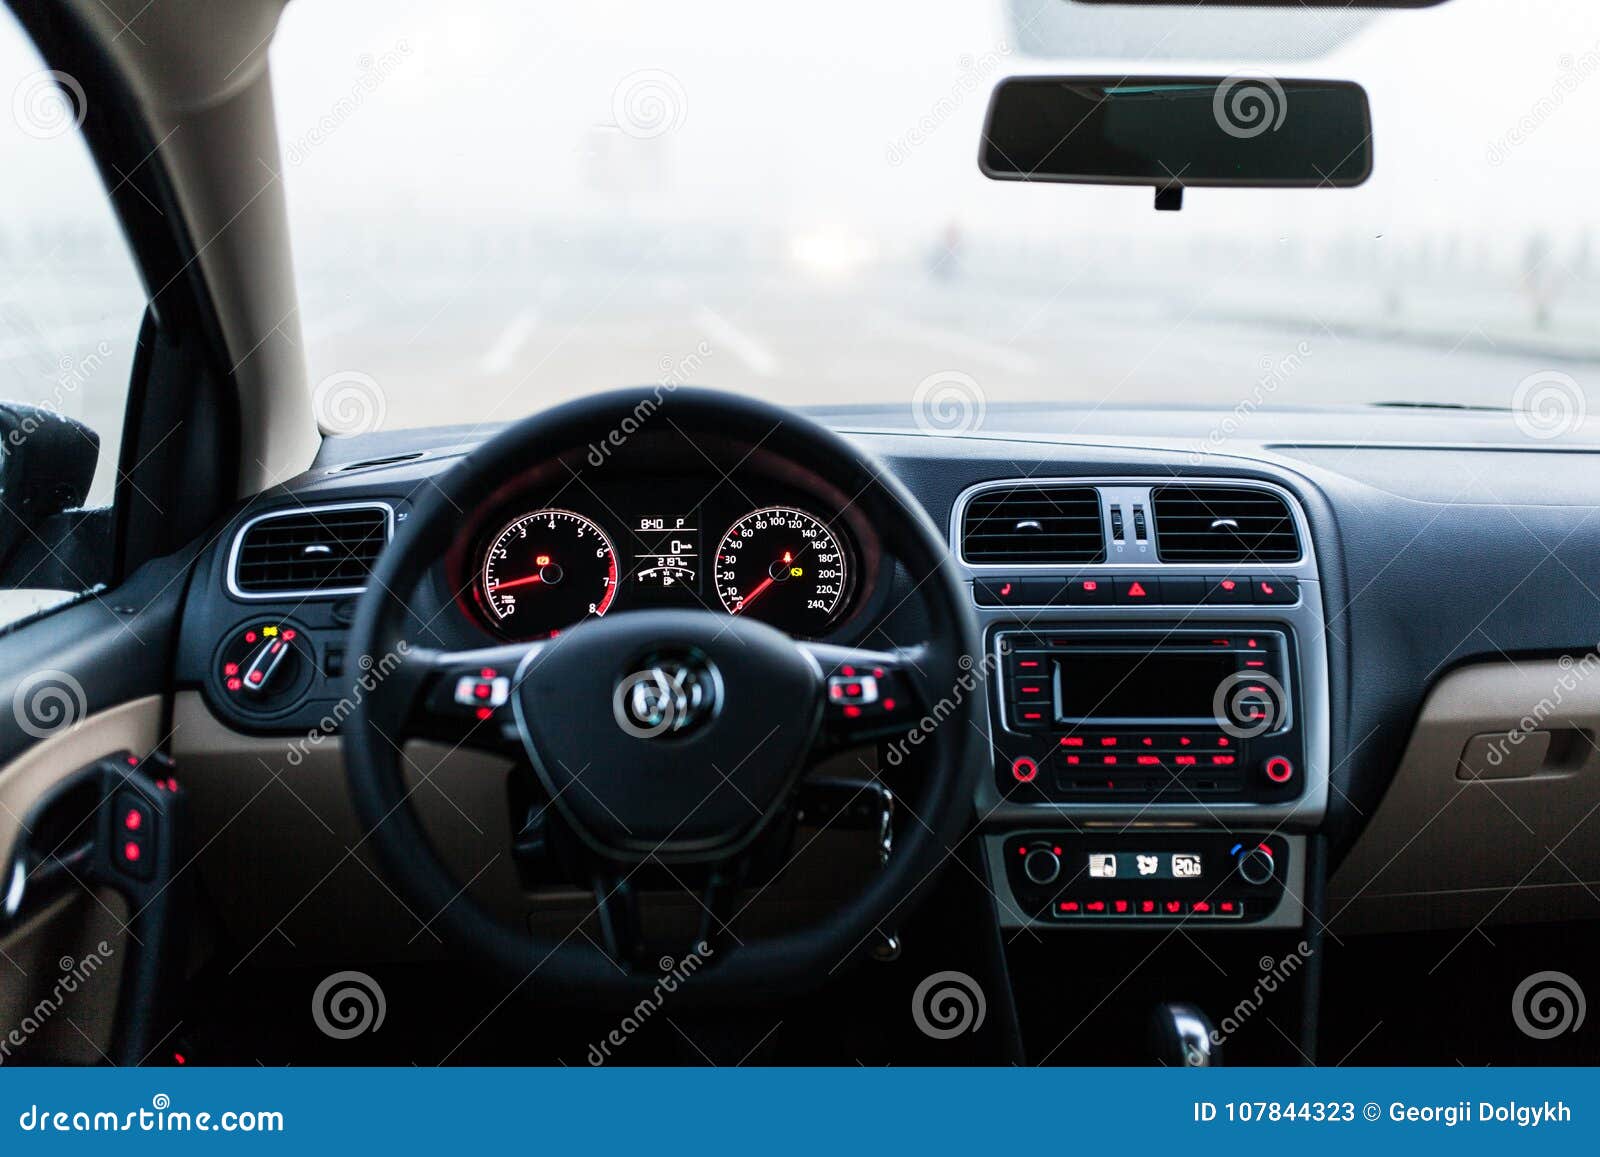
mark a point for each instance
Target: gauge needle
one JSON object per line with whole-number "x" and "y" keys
{"x": 521, "y": 582}
{"x": 755, "y": 594}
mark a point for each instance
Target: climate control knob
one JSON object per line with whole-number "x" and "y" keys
{"x": 1042, "y": 866}
{"x": 1256, "y": 865}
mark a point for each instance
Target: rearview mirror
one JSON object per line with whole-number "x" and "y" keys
{"x": 1179, "y": 132}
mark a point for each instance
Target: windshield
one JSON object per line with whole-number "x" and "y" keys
{"x": 497, "y": 206}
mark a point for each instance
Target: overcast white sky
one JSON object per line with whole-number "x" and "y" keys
{"x": 789, "y": 113}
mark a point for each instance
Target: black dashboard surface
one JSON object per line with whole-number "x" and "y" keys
{"x": 1443, "y": 536}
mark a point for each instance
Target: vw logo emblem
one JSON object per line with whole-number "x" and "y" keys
{"x": 667, "y": 695}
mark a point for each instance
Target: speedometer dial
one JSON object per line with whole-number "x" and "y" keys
{"x": 546, "y": 571}
{"x": 784, "y": 567}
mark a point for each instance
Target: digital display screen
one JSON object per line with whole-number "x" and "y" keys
{"x": 1139, "y": 684}
{"x": 666, "y": 552}
{"x": 1145, "y": 866}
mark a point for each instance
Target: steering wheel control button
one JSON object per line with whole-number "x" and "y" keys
{"x": 1275, "y": 591}
{"x": 1042, "y": 866}
{"x": 1279, "y": 769}
{"x": 482, "y": 690}
{"x": 852, "y": 690}
{"x": 1257, "y": 865}
{"x": 1024, "y": 770}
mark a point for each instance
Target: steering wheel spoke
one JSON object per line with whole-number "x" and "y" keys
{"x": 465, "y": 698}
{"x": 869, "y": 695}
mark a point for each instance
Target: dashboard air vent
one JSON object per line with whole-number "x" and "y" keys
{"x": 309, "y": 551}
{"x": 1034, "y": 524}
{"x": 1223, "y": 524}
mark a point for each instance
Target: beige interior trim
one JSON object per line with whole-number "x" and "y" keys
{"x": 134, "y": 726}
{"x": 1494, "y": 813}
{"x": 59, "y": 978}
{"x": 198, "y": 69}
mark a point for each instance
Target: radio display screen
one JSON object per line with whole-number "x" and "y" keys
{"x": 1138, "y": 685}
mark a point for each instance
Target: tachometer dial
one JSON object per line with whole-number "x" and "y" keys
{"x": 546, "y": 571}
{"x": 784, "y": 567}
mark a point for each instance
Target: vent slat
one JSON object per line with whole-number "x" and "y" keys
{"x": 1187, "y": 525}
{"x": 272, "y": 557}
{"x": 1069, "y": 526}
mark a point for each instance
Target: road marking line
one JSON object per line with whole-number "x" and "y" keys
{"x": 500, "y": 357}
{"x": 747, "y": 349}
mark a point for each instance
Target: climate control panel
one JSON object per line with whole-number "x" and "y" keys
{"x": 1196, "y": 878}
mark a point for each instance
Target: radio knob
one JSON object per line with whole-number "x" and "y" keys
{"x": 1042, "y": 866}
{"x": 1256, "y": 865}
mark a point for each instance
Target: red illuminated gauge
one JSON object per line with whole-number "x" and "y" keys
{"x": 784, "y": 567}
{"x": 545, "y": 571}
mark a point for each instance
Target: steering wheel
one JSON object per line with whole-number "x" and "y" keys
{"x": 675, "y": 737}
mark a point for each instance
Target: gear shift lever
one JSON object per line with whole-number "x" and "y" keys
{"x": 1180, "y": 1034}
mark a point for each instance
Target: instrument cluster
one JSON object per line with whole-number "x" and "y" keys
{"x": 549, "y": 557}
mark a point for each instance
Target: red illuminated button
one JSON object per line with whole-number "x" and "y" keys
{"x": 1174, "y": 907}
{"x": 1276, "y": 590}
{"x": 1279, "y": 769}
{"x": 1121, "y": 907}
{"x": 133, "y": 820}
{"x": 1023, "y": 769}
{"x": 1229, "y": 908}
{"x": 1095, "y": 907}
{"x": 1201, "y": 907}
{"x": 1227, "y": 589}
{"x": 1089, "y": 592}
{"x": 1222, "y": 760}
{"x": 1072, "y": 741}
{"x": 1069, "y": 907}
{"x": 1147, "y": 907}
{"x": 131, "y": 852}
{"x": 1142, "y": 589}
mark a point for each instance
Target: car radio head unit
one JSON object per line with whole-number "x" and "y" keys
{"x": 1150, "y": 714}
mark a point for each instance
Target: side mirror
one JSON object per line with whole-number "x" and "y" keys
{"x": 47, "y": 462}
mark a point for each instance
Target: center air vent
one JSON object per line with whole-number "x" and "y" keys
{"x": 319, "y": 550}
{"x": 1034, "y": 524}
{"x": 1223, "y": 524}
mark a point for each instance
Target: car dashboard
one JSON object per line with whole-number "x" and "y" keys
{"x": 1180, "y": 736}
